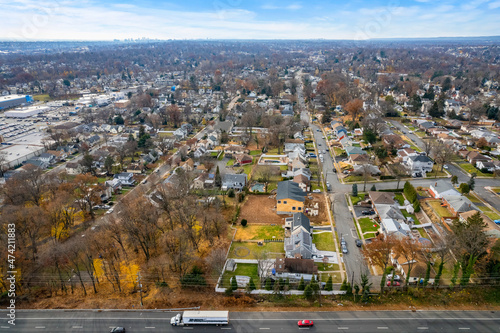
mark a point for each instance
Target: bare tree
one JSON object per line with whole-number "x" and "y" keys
{"x": 409, "y": 249}
{"x": 379, "y": 253}
{"x": 264, "y": 264}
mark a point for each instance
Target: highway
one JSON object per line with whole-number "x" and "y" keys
{"x": 59, "y": 321}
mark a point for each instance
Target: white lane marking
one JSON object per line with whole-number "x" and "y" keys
{"x": 422, "y": 328}
{"x": 464, "y": 328}
{"x": 149, "y": 327}
{"x": 188, "y": 328}
{"x": 383, "y": 328}
{"x": 5, "y": 326}
{"x": 342, "y": 328}
{"x": 225, "y": 328}
{"x": 264, "y": 328}
{"x": 303, "y": 328}
{"x": 39, "y": 326}
{"x": 77, "y": 327}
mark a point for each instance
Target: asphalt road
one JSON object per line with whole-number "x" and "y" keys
{"x": 59, "y": 321}
{"x": 354, "y": 260}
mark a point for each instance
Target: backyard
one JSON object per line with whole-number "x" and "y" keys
{"x": 250, "y": 270}
{"x": 259, "y": 232}
{"x": 324, "y": 241}
{"x": 358, "y": 198}
{"x": 367, "y": 225}
{"x": 246, "y": 250}
{"x": 265, "y": 213}
{"x": 438, "y": 209}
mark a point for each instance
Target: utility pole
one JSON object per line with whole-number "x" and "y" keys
{"x": 140, "y": 285}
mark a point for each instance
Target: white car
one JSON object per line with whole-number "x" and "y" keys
{"x": 446, "y": 167}
{"x": 396, "y": 277}
{"x": 109, "y": 211}
{"x": 317, "y": 191}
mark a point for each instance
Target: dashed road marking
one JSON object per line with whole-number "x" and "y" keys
{"x": 39, "y": 326}
{"x": 77, "y": 327}
{"x": 149, "y": 327}
{"x": 422, "y": 328}
{"x": 343, "y": 328}
{"x": 383, "y": 328}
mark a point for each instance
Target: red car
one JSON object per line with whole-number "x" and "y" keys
{"x": 394, "y": 283}
{"x": 305, "y": 323}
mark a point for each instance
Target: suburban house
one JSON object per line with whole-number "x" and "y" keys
{"x": 359, "y": 158}
{"x": 233, "y": 150}
{"x": 419, "y": 163}
{"x": 242, "y": 159}
{"x": 490, "y": 166}
{"x": 47, "y": 158}
{"x": 125, "y": 178}
{"x": 73, "y": 168}
{"x": 298, "y": 221}
{"x": 299, "y": 244}
{"x": 290, "y": 198}
{"x": 473, "y": 157}
{"x": 351, "y": 150}
{"x": 371, "y": 169}
{"x": 392, "y": 221}
{"x": 405, "y": 153}
{"x": 37, "y": 162}
{"x": 234, "y": 181}
{"x": 458, "y": 204}
{"x": 303, "y": 181}
{"x": 392, "y": 141}
{"x": 135, "y": 168}
{"x": 441, "y": 188}
{"x": 294, "y": 269}
{"x": 199, "y": 182}
{"x": 394, "y": 227}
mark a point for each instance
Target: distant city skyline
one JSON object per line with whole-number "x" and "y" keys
{"x": 238, "y": 19}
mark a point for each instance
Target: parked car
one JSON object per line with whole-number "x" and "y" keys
{"x": 396, "y": 277}
{"x": 317, "y": 191}
{"x": 497, "y": 221}
{"x": 368, "y": 212}
{"x": 318, "y": 256}
{"x": 445, "y": 166}
{"x": 109, "y": 211}
{"x": 359, "y": 243}
{"x": 319, "y": 144}
{"x": 344, "y": 249}
{"x": 394, "y": 283}
{"x": 117, "y": 330}
{"x": 305, "y": 323}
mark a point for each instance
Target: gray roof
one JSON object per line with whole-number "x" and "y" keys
{"x": 459, "y": 203}
{"x": 354, "y": 150}
{"x": 420, "y": 158}
{"x": 389, "y": 212}
{"x": 290, "y": 190}
{"x": 300, "y": 242}
{"x": 442, "y": 186}
{"x": 299, "y": 219}
{"x": 235, "y": 178}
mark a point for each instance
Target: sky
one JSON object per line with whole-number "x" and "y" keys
{"x": 250, "y": 19}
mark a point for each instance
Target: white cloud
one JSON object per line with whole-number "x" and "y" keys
{"x": 494, "y": 5}
{"x": 293, "y": 6}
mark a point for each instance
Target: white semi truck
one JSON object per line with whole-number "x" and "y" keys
{"x": 200, "y": 318}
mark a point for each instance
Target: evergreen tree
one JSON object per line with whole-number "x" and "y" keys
{"x": 329, "y": 284}
{"x": 234, "y": 283}
{"x": 302, "y": 284}
{"x": 251, "y": 284}
{"x": 427, "y": 273}
{"x": 269, "y": 285}
{"x": 218, "y": 178}
{"x": 373, "y": 188}
{"x": 354, "y": 190}
{"x": 439, "y": 273}
{"x": 416, "y": 206}
{"x": 472, "y": 181}
{"x": 308, "y": 292}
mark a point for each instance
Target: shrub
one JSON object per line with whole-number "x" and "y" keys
{"x": 244, "y": 222}
{"x": 416, "y": 206}
{"x": 354, "y": 190}
{"x": 464, "y": 188}
{"x": 230, "y": 193}
{"x": 234, "y": 283}
{"x": 251, "y": 285}
{"x": 329, "y": 284}
{"x": 308, "y": 292}
{"x": 302, "y": 284}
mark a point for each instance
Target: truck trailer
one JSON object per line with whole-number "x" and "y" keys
{"x": 200, "y": 318}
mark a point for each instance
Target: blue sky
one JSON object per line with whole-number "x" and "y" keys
{"x": 228, "y": 19}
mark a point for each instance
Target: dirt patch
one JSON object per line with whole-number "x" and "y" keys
{"x": 260, "y": 209}
{"x": 310, "y": 204}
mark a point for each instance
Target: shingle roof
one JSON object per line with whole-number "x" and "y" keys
{"x": 290, "y": 190}
{"x": 299, "y": 219}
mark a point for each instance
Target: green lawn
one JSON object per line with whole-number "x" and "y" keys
{"x": 470, "y": 169}
{"x": 338, "y": 151}
{"x": 324, "y": 241}
{"x": 367, "y": 225}
{"x": 257, "y": 232}
{"x": 243, "y": 250}
{"x": 441, "y": 211}
{"x": 406, "y": 214}
{"x": 43, "y": 98}
{"x": 322, "y": 267}
{"x": 473, "y": 198}
{"x": 355, "y": 200}
{"x": 353, "y": 178}
{"x": 399, "y": 198}
{"x": 283, "y": 167}
{"x": 492, "y": 215}
{"x": 221, "y": 156}
{"x": 230, "y": 162}
{"x": 250, "y": 270}
{"x": 370, "y": 235}
{"x": 255, "y": 152}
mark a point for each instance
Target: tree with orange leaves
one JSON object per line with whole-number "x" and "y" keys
{"x": 354, "y": 107}
{"x": 379, "y": 253}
